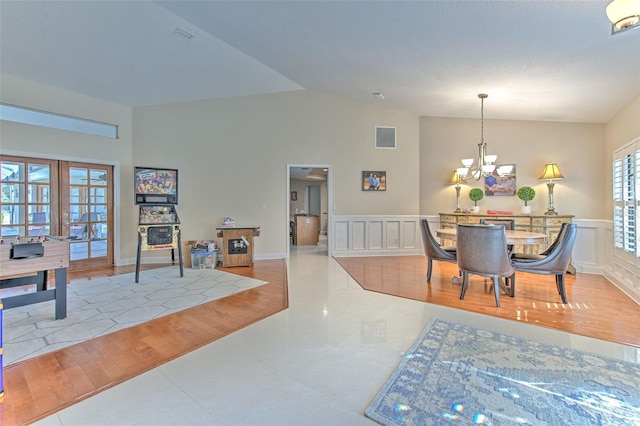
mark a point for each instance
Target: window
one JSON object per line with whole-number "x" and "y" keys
{"x": 23, "y": 115}
{"x": 626, "y": 197}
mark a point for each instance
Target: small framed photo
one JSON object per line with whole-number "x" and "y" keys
{"x": 374, "y": 180}
{"x": 294, "y": 195}
{"x": 501, "y": 185}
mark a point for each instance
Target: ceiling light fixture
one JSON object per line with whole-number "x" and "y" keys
{"x": 378, "y": 95}
{"x": 624, "y": 15}
{"x": 486, "y": 162}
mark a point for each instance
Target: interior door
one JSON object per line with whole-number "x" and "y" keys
{"x": 86, "y": 212}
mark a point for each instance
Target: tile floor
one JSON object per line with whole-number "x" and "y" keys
{"x": 103, "y": 305}
{"x": 320, "y": 362}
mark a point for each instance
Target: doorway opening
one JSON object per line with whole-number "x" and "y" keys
{"x": 309, "y": 208}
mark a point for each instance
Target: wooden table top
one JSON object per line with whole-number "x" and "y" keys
{"x": 514, "y": 237}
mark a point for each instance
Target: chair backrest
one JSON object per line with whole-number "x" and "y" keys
{"x": 507, "y": 223}
{"x": 556, "y": 261}
{"x": 483, "y": 249}
{"x": 432, "y": 248}
{"x": 555, "y": 242}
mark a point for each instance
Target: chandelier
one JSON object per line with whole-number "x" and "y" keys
{"x": 485, "y": 165}
{"x": 624, "y": 15}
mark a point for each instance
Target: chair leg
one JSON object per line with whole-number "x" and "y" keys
{"x": 512, "y": 284}
{"x": 496, "y": 290}
{"x": 465, "y": 281}
{"x": 561, "y": 289}
{"x": 429, "y": 266}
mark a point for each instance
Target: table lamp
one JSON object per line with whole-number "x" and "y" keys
{"x": 551, "y": 172}
{"x": 457, "y": 180}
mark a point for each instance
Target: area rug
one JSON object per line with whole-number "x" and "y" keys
{"x": 99, "y": 306}
{"x": 456, "y": 373}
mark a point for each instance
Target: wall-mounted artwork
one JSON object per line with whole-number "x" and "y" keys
{"x": 374, "y": 180}
{"x": 495, "y": 185}
{"x": 294, "y": 195}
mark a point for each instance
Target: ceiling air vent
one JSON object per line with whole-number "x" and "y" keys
{"x": 385, "y": 137}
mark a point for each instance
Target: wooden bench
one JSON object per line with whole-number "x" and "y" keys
{"x": 17, "y": 272}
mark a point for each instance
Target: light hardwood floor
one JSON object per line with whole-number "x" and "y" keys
{"x": 44, "y": 385}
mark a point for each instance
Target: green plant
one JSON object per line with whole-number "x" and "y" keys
{"x": 476, "y": 195}
{"x": 526, "y": 194}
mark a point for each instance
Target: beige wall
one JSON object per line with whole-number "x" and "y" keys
{"x": 577, "y": 148}
{"x": 233, "y": 154}
{"x": 27, "y": 140}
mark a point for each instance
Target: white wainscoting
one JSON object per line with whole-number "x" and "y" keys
{"x": 400, "y": 235}
{"x": 376, "y": 236}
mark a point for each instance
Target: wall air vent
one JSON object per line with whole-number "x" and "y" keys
{"x": 385, "y": 137}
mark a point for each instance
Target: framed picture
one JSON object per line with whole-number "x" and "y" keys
{"x": 373, "y": 180}
{"x": 496, "y": 185}
{"x": 294, "y": 195}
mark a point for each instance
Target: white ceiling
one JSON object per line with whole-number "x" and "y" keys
{"x": 537, "y": 60}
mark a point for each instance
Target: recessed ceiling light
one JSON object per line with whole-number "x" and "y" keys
{"x": 378, "y": 95}
{"x": 181, "y": 32}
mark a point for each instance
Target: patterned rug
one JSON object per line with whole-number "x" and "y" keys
{"x": 456, "y": 373}
{"x": 103, "y": 305}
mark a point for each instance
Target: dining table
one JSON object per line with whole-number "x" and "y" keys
{"x": 514, "y": 237}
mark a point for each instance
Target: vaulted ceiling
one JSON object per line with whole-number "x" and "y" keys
{"x": 537, "y": 60}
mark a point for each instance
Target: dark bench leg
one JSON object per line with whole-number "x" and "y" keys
{"x": 61, "y": 293}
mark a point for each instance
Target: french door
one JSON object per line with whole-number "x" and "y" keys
{"x": 51, "y": 197}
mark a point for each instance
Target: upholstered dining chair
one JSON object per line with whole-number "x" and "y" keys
{"x": 540, "y": 256}
{"x": 555, "y": 262}
{"x": 433, "y": 250}
{"x": 482, "y": 250}
{"x": 507, "y": 223}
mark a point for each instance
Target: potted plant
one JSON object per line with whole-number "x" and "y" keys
{"x": 476, "y": 195}
{"x": 526, "y": 194}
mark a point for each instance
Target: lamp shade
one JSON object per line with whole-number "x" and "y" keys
{"x": 623, "y": 14}
{"x": 551, "y": 171}
{"x": 455, "y": 179}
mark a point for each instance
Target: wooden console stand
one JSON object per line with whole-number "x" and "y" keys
{"x": 237, "y": 245}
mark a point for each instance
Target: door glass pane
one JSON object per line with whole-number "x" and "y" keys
{"x": 13, "y": 193}
{"x": 98, "y": 248}
{"x": 12, "y": 231}
{"x": 39, "y": 193}
{"x": 78, "y": 176}
{"x": 75, "y": 212}
{"x": 39, "y": 214}
{"x": 13, "y": 214}
{"x": 98, "y": 177}
{"x": 39, "y": 230}
{"x": 79, "y": 250}
{"x": 12, "y": 171}
{"x": 98, "y": 195}
{"x": 39, "y": 173}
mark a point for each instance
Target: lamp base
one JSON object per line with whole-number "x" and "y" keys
{"x": 551, "y": 213}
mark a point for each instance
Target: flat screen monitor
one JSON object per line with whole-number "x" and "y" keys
{"x": 156, "y": 185}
